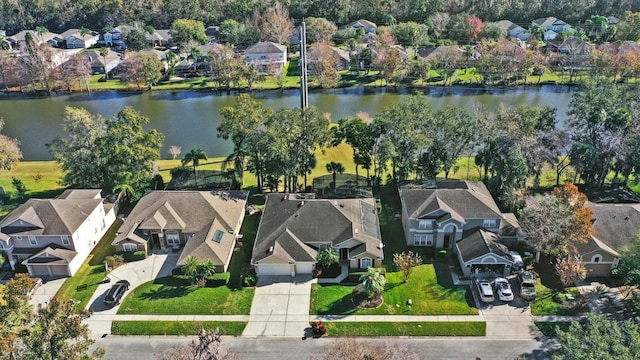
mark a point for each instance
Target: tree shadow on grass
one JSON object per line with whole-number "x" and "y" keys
{"x": 172, "y": 287}
{"x": 343, "y": 306}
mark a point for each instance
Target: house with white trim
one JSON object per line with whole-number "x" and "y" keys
{"x": 53, "y": 237}
{"x": 295, "y": 227}
{"x": 268, "y": 57}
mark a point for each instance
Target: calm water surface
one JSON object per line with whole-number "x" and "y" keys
{"x": 189, "y": 119}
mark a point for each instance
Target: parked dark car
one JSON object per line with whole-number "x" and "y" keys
{"x": 115, "y": 293}
{"x": 527, "y": 285}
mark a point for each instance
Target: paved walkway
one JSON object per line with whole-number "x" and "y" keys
{"x": 280, "y": 307}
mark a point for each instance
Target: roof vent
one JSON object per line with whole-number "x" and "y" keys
{"x": 335, "y": 203}
{"x": 301, "y": 204}
{"x": 626, "y": 217}
{"x": 270, "y": 250}
{"x": 341, "y": 205}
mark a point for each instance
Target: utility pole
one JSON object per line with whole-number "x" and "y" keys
{"x": 302, "y": 65}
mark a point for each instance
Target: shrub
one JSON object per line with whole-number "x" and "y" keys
{"x": 132, "y": 256}
{"x": 113, "y": 261}
{"x": 249, "y": 278}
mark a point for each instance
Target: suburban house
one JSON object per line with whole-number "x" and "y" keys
{"x": 619, "y": 47}
{"x": 74, "y": 39}
{"x": 572, "y": 45}
{"x": 615, "y": 226}
{"x": 115, "y": 36}
{"x": 18, "y": 40}
{"x": 100, "y": 64}
{"x": 295, "y": 227}
{"x": 159, "y": 54}
{"x": 553, "y": 24}
{"x": 317, "y": 55}
{"x": 205, "y": 224}
{"x": 53, "y": 237}
{"x": 267, "y": 57}
{"x": 514, "y": 31}
{"x": 159, "y": 38}
{"x": 368, "y": 26}
{"x": 460, "y": 216}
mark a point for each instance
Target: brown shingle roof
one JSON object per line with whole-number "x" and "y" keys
{"x": 478, "y": 242}
{"x": 615, "y": 225}
{"x": 266, "y": 47}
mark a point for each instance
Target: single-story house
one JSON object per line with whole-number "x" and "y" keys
{"x": 205, "y": 224}
{"x": 74, "y": 39}
{"x": 268, "y": 57}
{"x": 368, "y": 26}
{"x": 295, "y": 227}
{"x": 100, "y": 64}
{"x": 318, "y": 54}
{"x": 572, "y": 45}
{"x": 18, "y": 40}
{"x": 159, "y": 38}
{"x": 615, "y": 225}
{"x": 553, "y": 24}
{"x": 53, "y": 237}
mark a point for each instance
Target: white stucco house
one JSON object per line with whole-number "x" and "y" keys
{"x": 53, "y": 237}
{"x": 267, "y": 57}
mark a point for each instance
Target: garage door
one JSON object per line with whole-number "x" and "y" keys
{"x": 49, "y": 270}
{"x": 304, "y": 268}
{"x": 274, "y": 269}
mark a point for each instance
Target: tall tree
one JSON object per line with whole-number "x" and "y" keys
{"x": 104, "y": 52}
{"x": 335, "y": 168}
{"x": 58, "y": 333}
{"x": 356, "y": 132}
{"x": 182, "y": 31}
{"x": 239, "y": 123}
{"x": 276, "y": 25}
{"x": 194, "y": 156}
{"x": 207, "y": 347}
{"x": 10, "y": 152}
{"x": 319, "y": 29}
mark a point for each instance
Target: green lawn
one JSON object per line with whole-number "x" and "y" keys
{"x": 174, "y": 295}
{"x": 551, "y": 302}
{"x": 549, "y": 328}
{"x": 452, "y": 328}
{"x": 81, "y": 286}
{"x": 429, "y": 295}
{"x": 175, "y": 327}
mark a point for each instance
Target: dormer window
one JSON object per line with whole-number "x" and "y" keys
{"x": 490, "y": 223}
{"x": 424, "y": 224}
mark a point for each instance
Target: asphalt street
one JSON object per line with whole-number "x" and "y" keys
{"x": 145, "y": 347}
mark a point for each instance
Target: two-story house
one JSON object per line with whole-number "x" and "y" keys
{"x": 268, "y": 57}
{"x": 295, "y": 227}
{"x": 205, "y": 224}
{"x": 514, "y": 31}
{"x": 552, "y": 25}
{"x": 77, "y": 39}
{"x": 53, "y": 237}
{"x": 463, "y": 217}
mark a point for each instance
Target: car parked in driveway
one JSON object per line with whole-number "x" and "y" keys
{"x": 527, "y": 285}
{"x": 518, "y": 263}
{"x": 485, "y": 291}
{"x": 503, "y": 289}
{"x": 116, "y": 292}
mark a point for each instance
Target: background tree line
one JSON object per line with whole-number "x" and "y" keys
{"x": 59, "y": 15}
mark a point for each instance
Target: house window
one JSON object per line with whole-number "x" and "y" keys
{"x": 130, "y": 247}
{"x": 423, "y": 239}
{"x": 366, "y": 263}
{"x": 217, "y": 237}
{"x": 596, "y": 258}
{"x": 424, "y": 224}
{"x": 489, "y": 223}
{"x": 172, "y": 237}
{"x": 65, "y": 240}
{"x": 32, "y": 240}
{"x": 102, "y": 225}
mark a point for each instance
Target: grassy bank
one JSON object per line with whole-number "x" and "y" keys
{"x": 452, "y": 328}
{"x": 175, "y": 327}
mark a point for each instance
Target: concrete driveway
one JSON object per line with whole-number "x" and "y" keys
{"x": 280, "y": 307}
{"x": 45, "y": 292}
{"x": 138, "y": 272}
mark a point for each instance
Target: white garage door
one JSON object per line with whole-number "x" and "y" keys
{"x": 274, "y": 269}
{"x": 304, "y": 268}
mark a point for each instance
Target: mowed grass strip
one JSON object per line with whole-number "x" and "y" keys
{"x": 81, "y": 286}
{"x": 234, "y": 328}
{"x": 453, "y": 328}
{"x": 427, "y": 295}
{"x": 174, "y": 295}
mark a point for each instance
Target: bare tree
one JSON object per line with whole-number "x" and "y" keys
{"x": 275, "y": 24}
{"x": 175, "y": 151}
{"x": 75, "y": 70}
{"x": 570, "y": 270}
{"x": 207, "y": 347}
{"x": 352, "y": 349}
{"x": 439, "y": 22}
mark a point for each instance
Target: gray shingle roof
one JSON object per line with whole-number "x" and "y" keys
{"x": 198, "y": 212}
{"x": 51, "y": 216}
{"x": 52, "y": 256}
{"x": 266, "y": 47}
{"x": 615, "y": 225}
{"x": 465, "y": 199}
{"x": 291, "y": 225}
{"x": 478, "y": 242}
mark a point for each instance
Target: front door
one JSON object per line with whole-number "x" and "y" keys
{"x": 447, "y": 241}
{"x": 344, "y": 254}
{"x": 155, "y": 241}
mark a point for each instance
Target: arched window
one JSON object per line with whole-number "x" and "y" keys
{"x": 596, "y": 258}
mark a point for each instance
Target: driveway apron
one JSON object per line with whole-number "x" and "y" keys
{"x": 280, "y": 307}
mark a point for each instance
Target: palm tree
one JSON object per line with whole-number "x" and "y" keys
{"x": 194, "y": 156}
{"x": 104, "y": 52}
{"x": 335, "y": 167}
{"x": 190, "y": 268}
{"x": 41, "y": 30}
{"x": 373, "y": 282}
{"x": 124, "y": 190}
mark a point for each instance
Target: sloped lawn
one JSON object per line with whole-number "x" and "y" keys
{"x": 427, "y": 294}
{"x": 174, "y": 295}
